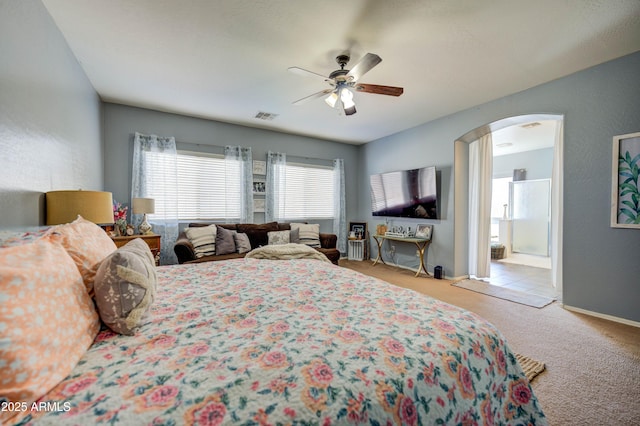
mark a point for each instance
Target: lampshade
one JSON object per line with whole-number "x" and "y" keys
{"x": 65, "y": 206}
{"x": 143, "y": 205}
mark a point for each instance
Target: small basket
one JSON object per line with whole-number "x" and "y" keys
{"x": 497, "y": 251}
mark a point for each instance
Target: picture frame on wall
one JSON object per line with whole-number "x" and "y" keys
{"x": 259, "y": 187}
{"x": 258, "y": 205}
{"x": 259, "y": 167}
{"x": 424, "y": 231}
{"x": 625, "y": 185}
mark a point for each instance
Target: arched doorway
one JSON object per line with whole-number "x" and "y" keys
{"x": 463, "y": 250}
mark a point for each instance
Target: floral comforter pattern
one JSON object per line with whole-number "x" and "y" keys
{"x": 294, "y": 342}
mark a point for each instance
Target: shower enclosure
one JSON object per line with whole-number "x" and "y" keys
{"x": 531, "y": 216}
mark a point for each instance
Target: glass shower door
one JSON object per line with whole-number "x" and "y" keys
{"x": 531, "y": 214}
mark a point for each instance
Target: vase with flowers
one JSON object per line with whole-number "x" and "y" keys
{"x": 120, "y": 217}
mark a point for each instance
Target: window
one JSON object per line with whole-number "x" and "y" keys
{"x": 306, "y": 192}
{"x": 208, "y": 186}
{"x": 499, "y": 197}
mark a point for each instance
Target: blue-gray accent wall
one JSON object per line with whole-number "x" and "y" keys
{"x": 601, "y": 269}
{"x": 50, "y": 119}
{"x": 121, "y": 122}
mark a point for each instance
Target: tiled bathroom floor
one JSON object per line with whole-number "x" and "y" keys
{"x": 522, "y": 278}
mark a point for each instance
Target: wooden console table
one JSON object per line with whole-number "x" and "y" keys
{"x": 421, "y": 244}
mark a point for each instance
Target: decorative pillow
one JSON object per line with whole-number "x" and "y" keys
{"x": 125, "y": 286}
{"x": 257, "y": 233}
{"x": 47, "y": 321}
{"x": 225, "y": 243}
{"x": 243, "y": 245}
{"x": 279, "y": 237}
{"x": 309, "y": 233}
{"x": 86, "y": 243}
{"x": 294, "y": 236}
{"x": 203, "y": 240}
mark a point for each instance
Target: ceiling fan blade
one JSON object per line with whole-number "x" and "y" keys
{"x": 369, "y": 61}
{"x": 379, "y": 90}
{"x": 305, "y": 73}
{"x": 313, "y": 96}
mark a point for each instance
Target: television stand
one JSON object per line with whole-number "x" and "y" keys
{"x": 421, "y": 244}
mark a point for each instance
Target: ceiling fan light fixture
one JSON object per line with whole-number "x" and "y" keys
{"x": 347, "y": 98}
{"x": 332, "y": 99}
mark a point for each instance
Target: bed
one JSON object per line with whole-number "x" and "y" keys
{"x": 297, "y": 341}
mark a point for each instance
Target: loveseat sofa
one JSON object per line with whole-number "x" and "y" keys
{"x": 258, "y": 235}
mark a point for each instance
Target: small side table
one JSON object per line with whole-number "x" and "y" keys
{"x": 152, "y": 240}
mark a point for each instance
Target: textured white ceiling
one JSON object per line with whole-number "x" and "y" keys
{"x": 227, "y": 60}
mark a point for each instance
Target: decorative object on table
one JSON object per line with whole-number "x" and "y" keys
{"x": 130, "y": 230}
{"x": 358, "y": 230}
{"x": 625, "y": 185}
{"x": 381, "y": 229}
{"x": 424, "y": 231}
{"x": 399, "y": 232}
{"x": 120, "y": 217}
{"x": 65, "y": 206}
{"x": 144, "y": 206}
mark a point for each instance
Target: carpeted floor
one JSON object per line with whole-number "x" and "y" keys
{"x": 592, "y": 374}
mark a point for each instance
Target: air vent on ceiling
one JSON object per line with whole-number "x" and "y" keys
{"x": 268, "y": 116}
{"x": 531, "y": 125}
{"x": 504, "y": 144}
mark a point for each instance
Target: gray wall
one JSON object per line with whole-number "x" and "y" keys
{"x": 121, "y": 122}
{"x": 538, "y": 164}
{"x": 601, "y": 264}
{"x": 50, "y": 122}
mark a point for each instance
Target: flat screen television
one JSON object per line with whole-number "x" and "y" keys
{"x": 406, "y": 193}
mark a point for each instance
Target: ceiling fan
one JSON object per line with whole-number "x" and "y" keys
{"x": 343, "y": 82}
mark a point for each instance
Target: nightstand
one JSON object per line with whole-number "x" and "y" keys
{"x": 153, "y": 241}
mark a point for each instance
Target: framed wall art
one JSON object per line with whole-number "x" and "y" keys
{"x": 625, "y": 170}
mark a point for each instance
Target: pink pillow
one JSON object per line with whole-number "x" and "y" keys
{"x": 86, "y": 243}
{"x": 47, "y": 321}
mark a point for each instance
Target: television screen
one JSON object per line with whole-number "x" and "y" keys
{"x": 406, "y": 193}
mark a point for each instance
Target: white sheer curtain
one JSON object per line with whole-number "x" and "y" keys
{"x": 480, "y": 182}
{"x": 557, "y": 173}
{"x": 150, "y": 150}
{"x": 339, "y": 205}
{"x": 276, "y": 182}
{"x": 239, "y": 165}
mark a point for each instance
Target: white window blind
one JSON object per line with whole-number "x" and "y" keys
{"x": 208, "y": 186}
{"x": 306, "y": 192}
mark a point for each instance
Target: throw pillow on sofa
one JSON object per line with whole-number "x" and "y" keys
{"x": 125, "y": 286}
{"x": 279, "y": 237}
{"x": 203, "y": 240}
{"x": 243, "y": 245}
{"x": 225, "y": 243}
{"x": 309, "y": 233}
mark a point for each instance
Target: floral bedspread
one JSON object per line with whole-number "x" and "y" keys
{"x": 294, "y": 342}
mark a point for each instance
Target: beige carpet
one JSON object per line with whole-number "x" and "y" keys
{"x": 504, "y": 293}
{"x": 592, "y": 366}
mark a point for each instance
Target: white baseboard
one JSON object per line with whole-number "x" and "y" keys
{"x": 603, "y": 316}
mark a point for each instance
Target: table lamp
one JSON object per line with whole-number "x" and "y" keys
{"x": 65, "y": 206}
{"x": 144, "y": 206}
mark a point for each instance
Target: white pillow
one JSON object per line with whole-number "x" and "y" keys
{"x": 203, "y": 240}
{"x": 309, "y": 233}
